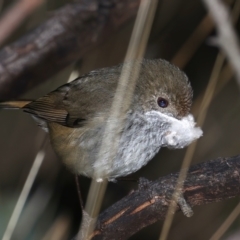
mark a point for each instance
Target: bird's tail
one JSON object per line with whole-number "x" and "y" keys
{"x": 14, "y": 104}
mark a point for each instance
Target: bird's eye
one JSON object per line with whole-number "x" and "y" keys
{"x": 162, "y": 102}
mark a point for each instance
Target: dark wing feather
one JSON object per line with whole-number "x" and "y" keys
{"x": 69, "y": 104}
{"x": 46, "y": 109}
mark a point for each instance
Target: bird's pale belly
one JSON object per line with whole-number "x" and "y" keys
{"x": 79, "y": 148}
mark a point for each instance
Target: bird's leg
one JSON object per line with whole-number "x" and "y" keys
{"x": 185, "y": 207}
{"x": 181, "y": 202}
{"x": 178, "y": 197}
{"x": 79, "y": 193}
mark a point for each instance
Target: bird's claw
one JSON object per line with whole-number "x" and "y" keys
{"x": 184, "y": 206}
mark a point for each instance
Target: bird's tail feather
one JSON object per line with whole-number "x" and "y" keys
{"x": 14, "y": 104}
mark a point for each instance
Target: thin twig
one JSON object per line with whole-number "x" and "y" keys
{"x": 184, "y": 54}
{"x": 206, "y": 182}
{"x": 227, "y": 38}
{"x": 208, "y": 96}
{"x": 24, "y": 194}
{"x": 59, "y": 229}
{"x": 123, "y": 96}
{"x": 79, "y": 192}
{"x": 190, "y": 150}
{"x": 227, "y": 223}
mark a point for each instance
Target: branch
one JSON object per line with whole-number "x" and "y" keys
{"x": 207, "y": 182}
{"x": 15, "y": 16}
{"x": 64, "y": 38}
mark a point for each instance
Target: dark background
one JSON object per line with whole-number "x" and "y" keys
{"x": 52, "y": 210}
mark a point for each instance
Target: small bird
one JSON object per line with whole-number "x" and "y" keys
{"x": 75, "y": 116}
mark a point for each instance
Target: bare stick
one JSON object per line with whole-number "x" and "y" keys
{"x": 119, "y": 108}
{"x": 207, "y": 182}
{"x": 227, "y": 223}
{"x": 71, "y": 32}
{"x": 207, "y": 98}
{"x": 24, "y": 194}
{"x": 79, "y": 192}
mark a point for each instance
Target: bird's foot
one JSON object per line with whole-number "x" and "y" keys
{"x": 184, "y": 206}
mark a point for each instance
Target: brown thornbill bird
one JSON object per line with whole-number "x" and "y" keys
{"x": 75, "y": 116}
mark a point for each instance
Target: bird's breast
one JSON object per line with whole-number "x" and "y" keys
{"x": 139, "y": 142}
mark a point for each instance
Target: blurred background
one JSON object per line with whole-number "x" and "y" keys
{"x": 182, "y": 33}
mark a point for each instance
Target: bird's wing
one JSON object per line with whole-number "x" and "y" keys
{"x": 74, "y": 103}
